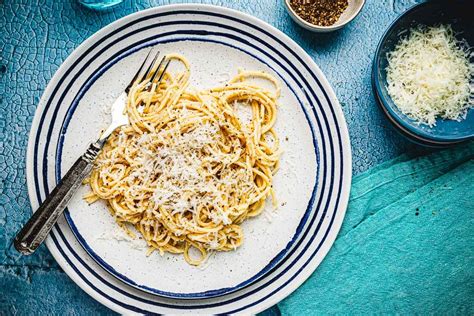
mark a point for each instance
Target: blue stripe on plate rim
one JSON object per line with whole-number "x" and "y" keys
{"x": 132, "y": 48}
{"x": 57, "y": 229}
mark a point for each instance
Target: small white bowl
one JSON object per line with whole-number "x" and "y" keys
{"x": 348, "y": 15}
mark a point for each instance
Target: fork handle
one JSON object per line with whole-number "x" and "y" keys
{"x": 34, "y": 232}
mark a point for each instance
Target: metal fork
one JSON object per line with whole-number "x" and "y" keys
{"x": 34, "y": 232}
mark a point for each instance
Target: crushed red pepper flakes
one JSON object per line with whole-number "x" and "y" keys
{"x": 319, "y": 12}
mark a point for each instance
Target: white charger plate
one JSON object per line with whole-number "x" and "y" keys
{"x": 313, "y": 183}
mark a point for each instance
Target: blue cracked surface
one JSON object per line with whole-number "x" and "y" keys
{"x": 36, "y": 36}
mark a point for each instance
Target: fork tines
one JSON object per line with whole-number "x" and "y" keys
{"x": 152, "y": 71}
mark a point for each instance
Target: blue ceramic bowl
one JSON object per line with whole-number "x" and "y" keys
{"x": 457, "y": 13}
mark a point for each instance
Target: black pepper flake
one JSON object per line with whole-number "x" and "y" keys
{"x": 319, "y": 12}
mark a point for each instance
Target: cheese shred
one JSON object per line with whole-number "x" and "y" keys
{"x": 428, "y": 75}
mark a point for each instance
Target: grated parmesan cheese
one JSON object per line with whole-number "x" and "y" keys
{"x": 177, "y": 167}
{"x": 428, "y": 75}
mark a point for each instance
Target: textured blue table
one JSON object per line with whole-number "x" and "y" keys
{"x": 36, "y": 36}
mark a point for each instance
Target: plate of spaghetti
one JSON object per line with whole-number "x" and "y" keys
{"x": 228, "y": 186}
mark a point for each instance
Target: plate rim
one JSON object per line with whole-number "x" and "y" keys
{"x": 346, "y": 173}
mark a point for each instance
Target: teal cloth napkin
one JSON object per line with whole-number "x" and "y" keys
{"x": 406, "y": 245}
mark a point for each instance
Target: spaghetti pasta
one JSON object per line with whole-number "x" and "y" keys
{"x": 188, "y": 170}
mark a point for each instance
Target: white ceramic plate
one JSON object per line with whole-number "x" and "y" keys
{"x": 280, "y": 250}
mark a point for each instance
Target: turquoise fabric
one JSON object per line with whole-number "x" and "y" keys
{"x": 406, "y": 245}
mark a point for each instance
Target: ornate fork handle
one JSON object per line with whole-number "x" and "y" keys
{"x": 40, "y": 224}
